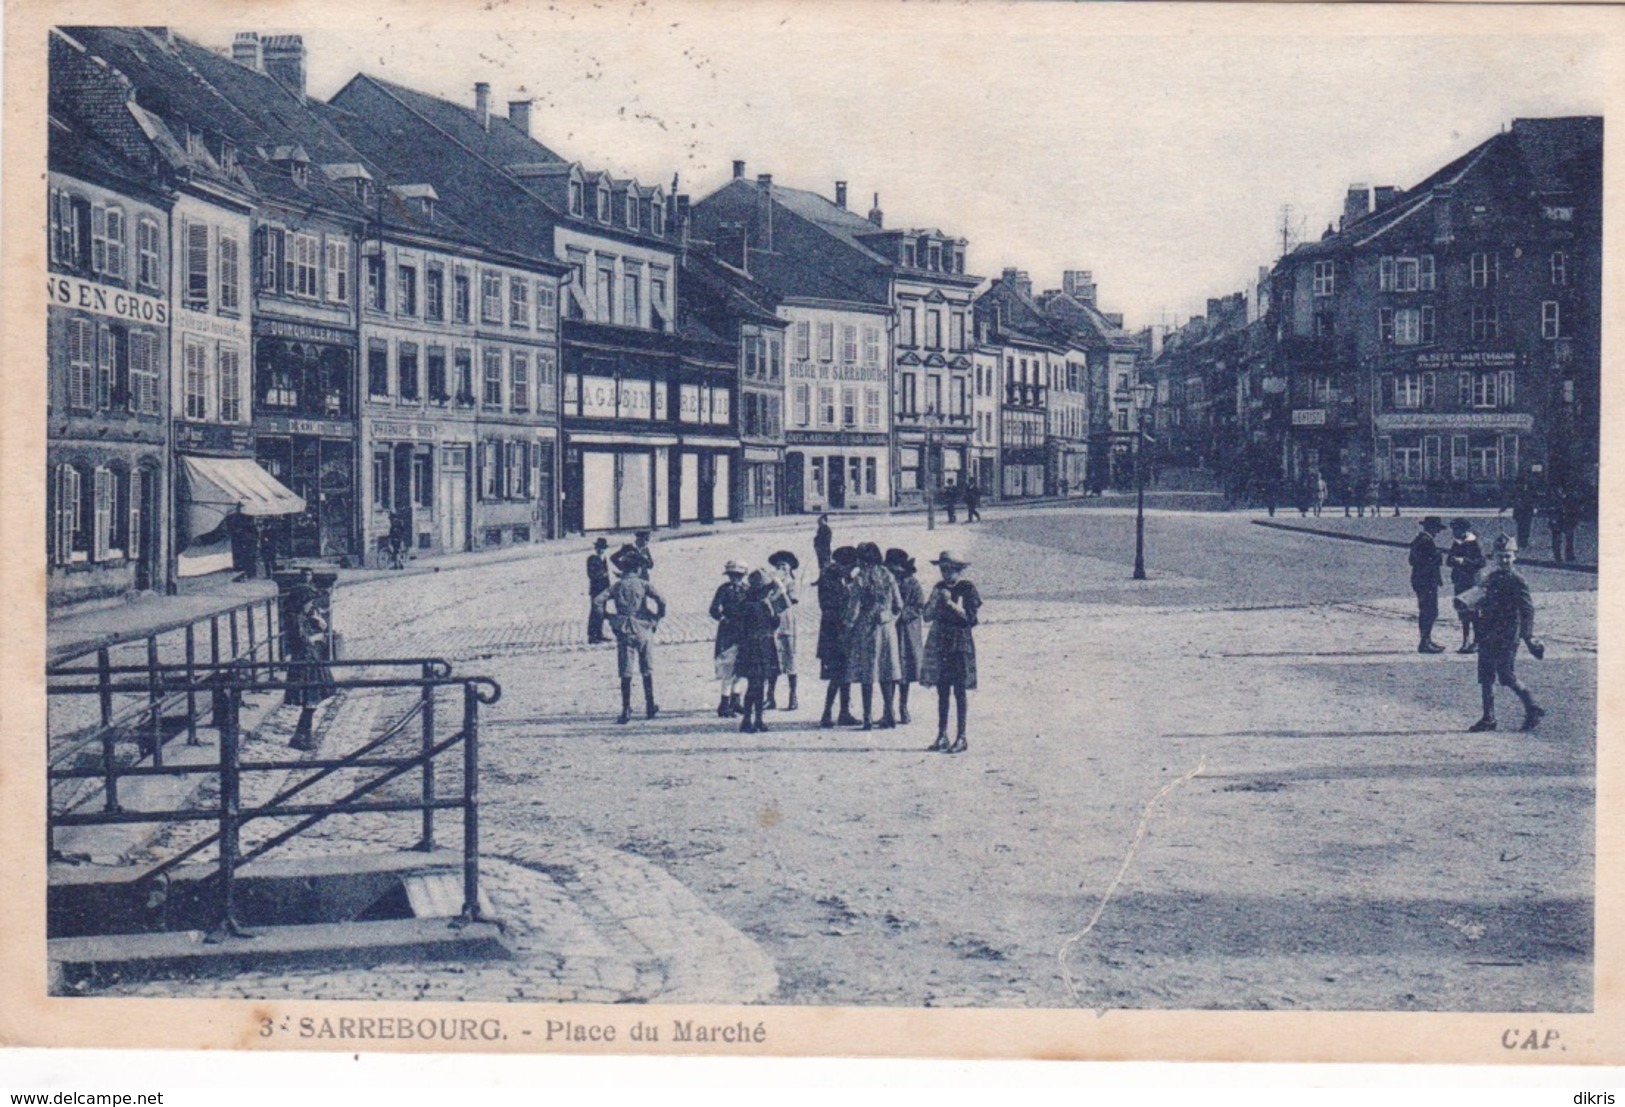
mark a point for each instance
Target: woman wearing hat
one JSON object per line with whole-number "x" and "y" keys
{"x": 1466, "y": 560}
{"x": 910, "y": 626}
{"x": 310, "y": 681}
{"x": 786, "y": 594}
{"x": 950, "y": 649}
{"x": 758, "y": 657}
{"x": 871, "y": 641}
{"x": 834, "y": 588}
{"x": 725, "y": 609}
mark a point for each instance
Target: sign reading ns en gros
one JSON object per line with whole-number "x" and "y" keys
{"x": 104, "y": 300}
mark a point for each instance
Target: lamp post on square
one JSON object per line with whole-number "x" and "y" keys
{"x": 933, "y": 420}
{"x": 1144, "y": 393}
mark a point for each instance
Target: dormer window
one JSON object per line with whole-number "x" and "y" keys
{"x": 576, "y": 199}
{"x": 908, "y": 255}
{"x": 363, "y": 190}
{"x": 228, "y": 157}
{"x": 300, "y": 172}
{"x": 631, "y": 210}
{"x": 936, "y": 256}
{"x": 657, "y": 217}
{"x": 194, "y": 142}
{"x": 603, "y": 203}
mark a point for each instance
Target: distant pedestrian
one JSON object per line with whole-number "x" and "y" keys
{"x": 1320, "y": 492}
{"x": 950, "y": 500}
{"x": 1370, "y": 497}
{"x": 598, "y": 580}
{"x": 834, "y": 590}
{"x": 1393, "y": 495}
{"x": 267, "y": 547}
{"x": 1305, "y": 497}
{"x": 400, "y": 536}
{"x": 310, "y": 680}
{"x": 910, "y": 626}
{"x": 1562, "y": 518}
{"x": 871, "y": 643}
{"x": 1272, "y": 494}
{"x": 1465, "y": 559}
{"x": 1524, "y": 500}
{"x": 634, "y": 624}
{"x": 758, "y": 657}
{"x": 949, "y": 660}
{"x": 725, "y": 653}
{"x": 786, "y": 597}
{"x": 822, "y": 541}
{"x": 973, "y": 501}
{"x": 1506, "y": 616}
{"x": 1426, "y": 560}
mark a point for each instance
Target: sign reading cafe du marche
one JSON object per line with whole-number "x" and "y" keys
{"x": 134, "y": 306}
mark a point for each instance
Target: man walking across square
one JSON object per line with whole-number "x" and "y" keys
{"x": 1506, "y": 616}
{"x": 1426, "y": 560}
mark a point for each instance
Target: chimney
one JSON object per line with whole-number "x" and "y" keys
{"x": 482, "y": 104}
{"x": 1024, "y": 284}
{"x": 284, "y": 59}
{"x": 682, "y": 219}
{"x": 764, "y": 180}
{"x": 840, "y": 194}
{"x": 1356, "y": 204}
{"x": 1215, "y": 308}
{"x": 1080, "y": 285}
{"x": 739, "y": 169}
{"x": 876, "y": 216}
{"x": 1384, "y": 195}
{"x": 519, "y": 115}
{"x": 245, "y": 50}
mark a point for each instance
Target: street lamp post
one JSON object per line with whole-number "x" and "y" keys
{"x": 932, "y": 419}
{"x": 1143, "y": 393}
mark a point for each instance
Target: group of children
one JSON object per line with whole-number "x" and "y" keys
{"x": 872, "y": 629}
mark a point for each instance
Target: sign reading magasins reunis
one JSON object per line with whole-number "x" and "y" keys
{"x": 103, "y": 300}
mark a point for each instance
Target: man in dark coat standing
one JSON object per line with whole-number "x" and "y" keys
{"x": 823, "y": 540}
{"x": 597, "y": 581}
{"x": 1506, "y": 616}
{"x": 973, "y": 501}
{"x": 1426, "y": 560}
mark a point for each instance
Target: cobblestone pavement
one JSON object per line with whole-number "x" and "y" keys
{"x": 1233, "y": 785}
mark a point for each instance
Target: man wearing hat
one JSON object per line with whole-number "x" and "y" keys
{"x": 786, "y": 593}
{"x": 634, "y": 625}
{"x": 640, "y": 539}
{"x": 725, "y": 610}
{"x": 597, "y": 581}
{"x": 1426, "y": 561}
{"x": 1506, "y": 616}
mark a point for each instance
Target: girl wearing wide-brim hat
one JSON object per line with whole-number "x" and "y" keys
{"x": 950, "y": 649}
{"x": 724, "y": 609}
{"x": 871, "y": 642}
{"x": 910, "y": 625}
{"x": 834, "y": 588}
{"x": 785, "y": 596}
{"x": 758, "y": 659}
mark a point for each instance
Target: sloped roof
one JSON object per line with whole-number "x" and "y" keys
{"x": 503, "y": 143}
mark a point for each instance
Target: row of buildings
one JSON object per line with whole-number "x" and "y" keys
{"x": 317, "y": 327}
{"x": 1445, "y": 337}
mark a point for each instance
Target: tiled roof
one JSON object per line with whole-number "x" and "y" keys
{"x": 503, "y": 143}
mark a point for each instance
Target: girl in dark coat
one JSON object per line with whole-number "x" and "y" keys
{"x": 1466, "y": 560}
{"x": 834, "y": 592}
{"x": 311, "y": 679}
{"x": 910, "y": 626}
{"x": 724, "y": 608}
{"x": 950, "y": 650}
{"x": 758, "y": 659}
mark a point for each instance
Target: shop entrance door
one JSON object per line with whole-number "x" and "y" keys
{"x": 795, "y": 493}
{"x": 453, "y": 498}
{"x": 837, "y": 483}
{"x": 146, "y": 536}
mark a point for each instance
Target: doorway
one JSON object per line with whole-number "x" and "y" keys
{"x": 837, "y": 483}
{"x": 453, "y": 499}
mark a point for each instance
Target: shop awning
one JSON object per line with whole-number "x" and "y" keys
{"x": 218, "y": 486}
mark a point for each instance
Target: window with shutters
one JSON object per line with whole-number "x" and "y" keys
{"x": 518, "y": 302}
{"x": 301, "y": 273}
{"x": 801, "y": 405}
{"x": 406, "y": 289}
{"x": 547, "y": 307}
{"x": 826, "y": 405}
{"x": 1427, "y": 328}
{"x": 195, "y": 380}
{"x": 803, "y": 340}
{"x": 148, "y": 271}
{"x": 1408, "y": 390}
{"x": 107, "y": 240}
{"x": 423, "y": 477}
{"x": 490, "y": 471}
{"x": 434, "y": 293}
{"x": 871, "y": 345}
{"x": 849, "y": 344}
{"x": 81, "y": 365}
{"x": 377, "y": 368}
{"x": 463, "y": 363}
{"x": 436, "y": 362}
{"x": 1484, "y": 269}
{"x": 1485, "y": 390}
{"x": 197, "y": 266}
{"x": 849, "y": 407}
{"x": 460, "y": 294}
{"x": 230, "y": 297}
{"x": 871, "y": 409}
{"x": 269, "y": 246}
{"x": 632, "y": 300}
{"x": 492, "y": 396}
{"x": 406, "y": 361}
{"x": 491, "y": 297}
{"x": 382, "y": 469}
{"x": 519, "y": 391}
{"x": 106, "y": 366}
{"x": 377, "y": 283}
{"x": 64, "y": 234}
{"x": 76, "y": 512}
{"x": 338, "y": 270}
{"x": 826, "y": 342}
{"x": 143, "y": 389}
{"x": 1485, "y": 323}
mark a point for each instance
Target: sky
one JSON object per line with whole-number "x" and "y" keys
{"x": 1155, "y": 146}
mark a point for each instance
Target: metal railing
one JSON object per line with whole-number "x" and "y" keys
{"x": 227, "y": 685}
